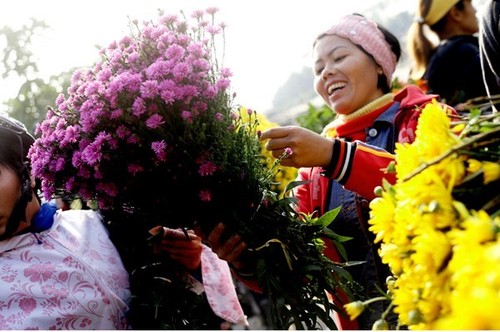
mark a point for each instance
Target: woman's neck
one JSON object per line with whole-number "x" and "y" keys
{"x": 368, "y": 108}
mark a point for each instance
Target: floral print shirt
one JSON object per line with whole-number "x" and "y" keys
{"x": 67, "y": 277}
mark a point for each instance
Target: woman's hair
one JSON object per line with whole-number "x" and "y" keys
{"x": 393, "y": 41}
{"x": 15, "y": 142}
{"x": 419, "y": 46}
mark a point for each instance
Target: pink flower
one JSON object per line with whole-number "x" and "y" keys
{"x": 134, "y": 169}
{"x": 159, "y": 149}
{"x": 207, "y": 168}
{"x": 154, "y": 121}
{"x": 205, "y": 195}
{"x": 187, "y": 116}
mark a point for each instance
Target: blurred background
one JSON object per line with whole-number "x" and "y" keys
{"x": 268, "y": 49}
{"x": 268, "y": 46}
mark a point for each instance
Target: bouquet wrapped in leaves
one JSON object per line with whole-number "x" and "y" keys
{"x": 440, "y": 224}
{"x": 151, "y": 135}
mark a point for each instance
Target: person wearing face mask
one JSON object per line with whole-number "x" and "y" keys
{"x": 353, "y": 65}
{"x": 452, "y": 67}
{"x": 59, "y": 269}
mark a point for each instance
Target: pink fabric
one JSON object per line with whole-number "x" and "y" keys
{"x": 365, "y": 33}
{"x": 220, "y": 289}
{"x": 68, "y": 277}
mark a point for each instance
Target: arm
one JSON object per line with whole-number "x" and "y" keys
{"x": 358, "y": 166}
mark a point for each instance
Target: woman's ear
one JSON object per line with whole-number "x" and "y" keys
{"x": 454, "y": 15}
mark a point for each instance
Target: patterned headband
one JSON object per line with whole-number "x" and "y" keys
{"x": 365, "y": 33}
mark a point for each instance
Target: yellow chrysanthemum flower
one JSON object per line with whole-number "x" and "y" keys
{"x": 354, "y": 309}
{"x": 491, "y": 171}
{"x": 284, "y": 175}
{"x": 443, "y": 256}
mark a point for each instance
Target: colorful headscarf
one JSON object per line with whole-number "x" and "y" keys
{"x": 365, "y": 33}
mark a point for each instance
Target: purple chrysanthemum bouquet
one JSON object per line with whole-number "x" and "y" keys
{"x": 150, "y": 135}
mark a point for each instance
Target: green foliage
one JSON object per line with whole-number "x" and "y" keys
{"x": 18, "y": 60}
{"x": 316, "y": 118}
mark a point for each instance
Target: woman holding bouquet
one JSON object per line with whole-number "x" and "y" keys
{"x": 59, "y": 269}
{"x": 353, "y": 64}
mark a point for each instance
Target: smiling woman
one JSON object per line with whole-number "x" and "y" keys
{"x": 354, "y": 61}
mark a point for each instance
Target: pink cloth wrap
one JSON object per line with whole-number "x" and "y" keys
{"x": 365, "y": 33}
{"x": 220, "y": 289}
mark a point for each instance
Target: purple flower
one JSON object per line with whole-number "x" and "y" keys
{"x": 134, "y": 169}
{"x": 154, "y": 121}
{"x": 207, "y": 168}
{"x": 139, "y": 107}
{"x": 149, "y": 89}
{"x": 187, "y": 116}
{"x": 155, "y": 100}
{"x": 159, "y": 149}
{"x": 219, "y": 116}
{"x": 205, "y": 195}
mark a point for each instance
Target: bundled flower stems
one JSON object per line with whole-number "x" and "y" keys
{"x": 149, "y": 136}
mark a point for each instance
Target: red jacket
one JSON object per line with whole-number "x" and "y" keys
{"x": 360, "y": 166}
{"x": 366, "y": 164}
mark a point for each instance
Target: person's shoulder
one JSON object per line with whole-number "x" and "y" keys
{"x": 411, "y": 96}
{"x": 80, "y": 213}
{"x": 462, "y": 44}
{"x": 79, "y": 218}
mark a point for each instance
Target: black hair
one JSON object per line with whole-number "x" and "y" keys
{"x": 393, "y": 42}
{"x": 15, "y": 142}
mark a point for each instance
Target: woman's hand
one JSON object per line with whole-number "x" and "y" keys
{"x": 174, "y": 243}
{"x": 309, "y": 149}
{"x": 230, "y": 250}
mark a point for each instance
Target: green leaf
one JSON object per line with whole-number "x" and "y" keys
{"x": 327, "y": 218}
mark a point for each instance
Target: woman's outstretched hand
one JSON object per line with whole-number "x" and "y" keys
{"x": 308, "y": 148}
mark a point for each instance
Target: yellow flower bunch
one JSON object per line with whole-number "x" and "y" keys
{"x": 443, "y": 254}
{"x": 283, "y": 175}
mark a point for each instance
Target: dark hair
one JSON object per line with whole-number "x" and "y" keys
{"x": 15, "y": 142}
{"x": 393, "y": 42}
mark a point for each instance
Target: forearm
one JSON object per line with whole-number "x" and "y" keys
{"x": 359, "y": 167}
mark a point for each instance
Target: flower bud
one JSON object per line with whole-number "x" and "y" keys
{"x": 354, "y": 309}
{"x": 380, "y": 324}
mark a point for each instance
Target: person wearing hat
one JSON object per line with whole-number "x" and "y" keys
{"x": 452, "y": 67}
{"x": 353, "y": 64}
{"x": 59, "y": 269}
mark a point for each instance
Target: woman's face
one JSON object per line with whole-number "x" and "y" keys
{"x": 470, "y": 23}
{"x": 344, "y": 76}
{"x": 10, "y": 189}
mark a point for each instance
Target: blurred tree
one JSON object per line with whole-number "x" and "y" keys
{"x": 316, "y": 118}
{"x": 18, "y": 60}
{"x": 297, "y": 89}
